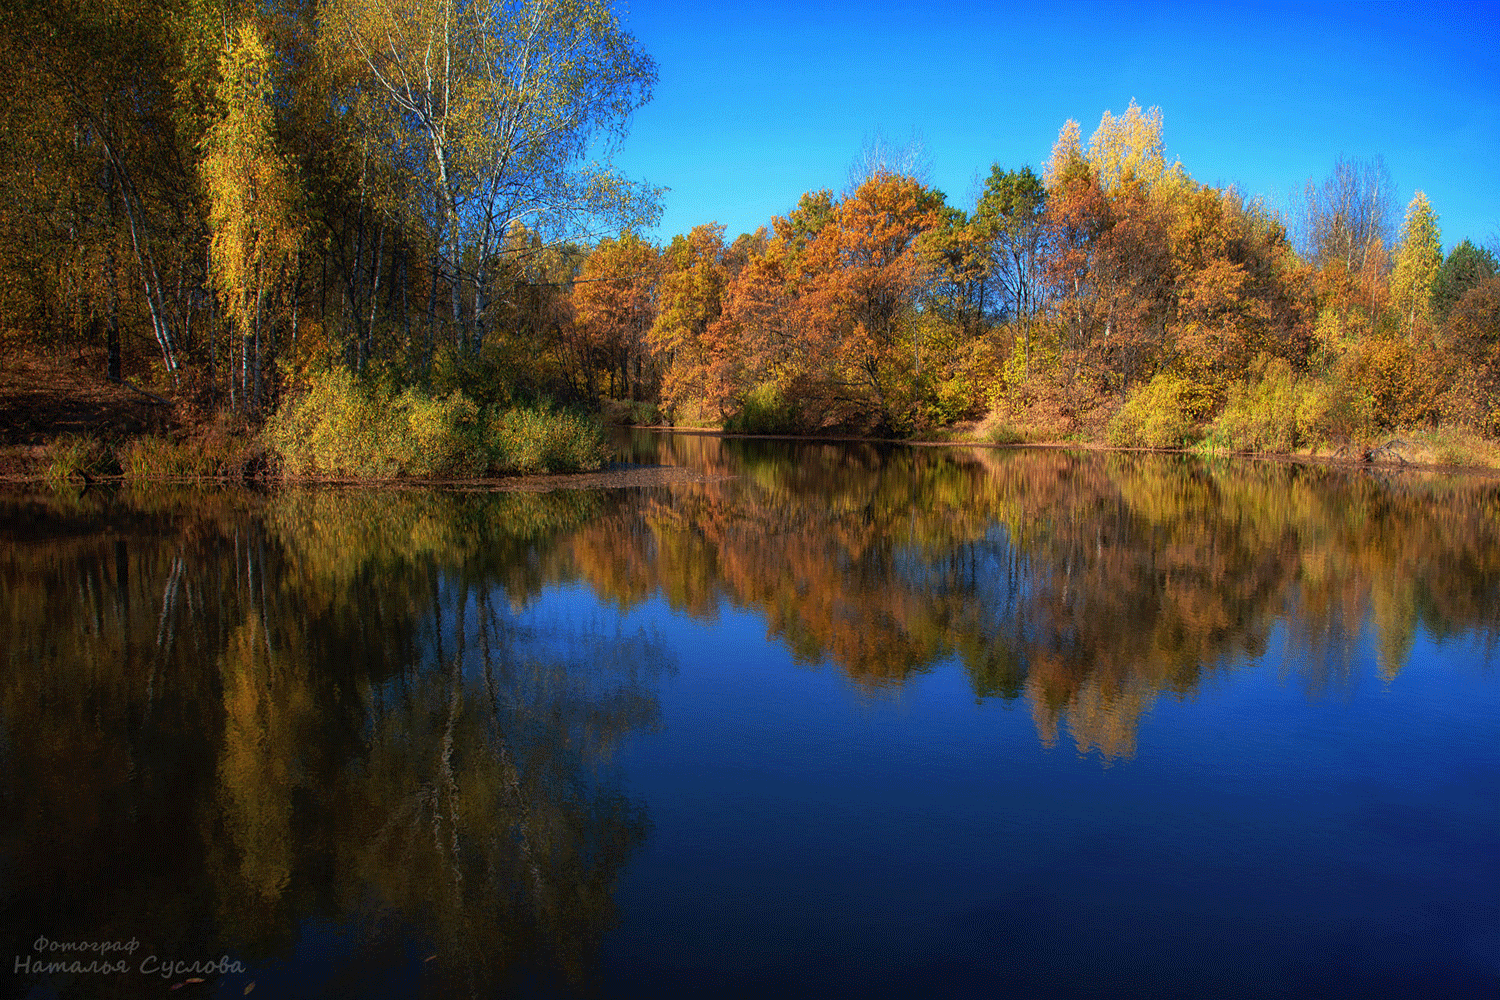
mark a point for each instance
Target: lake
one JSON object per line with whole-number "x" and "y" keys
{"x": 759, "y": 718}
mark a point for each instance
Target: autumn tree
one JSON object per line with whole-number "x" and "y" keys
{"x": 756, "y": 344}
{"x": 761, "y": 343}
{"x": 1130, "y": 148}
{"x": 1347, "y": 218}
{"x": 880, "y": 156}
{"x": 253, "y": 211}
{"x": 958, "y": 292}
{"x": 1472, "y": 333}
{"x": 1157, "y": 275}
{"x": 613, "y": 309}
{"x": 499, "y": 104}
{"x": 1419, "y": 255}
{"x": 690, "y": 301}
{"x": 1011, "y": 213}
{"x": 105, "y": 114}
{"x": 1237, "y": 288}
{"x": 861, "y": 275}
{"x": 1077, "y": 214}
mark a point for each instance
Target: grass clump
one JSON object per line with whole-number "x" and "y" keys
{"x": 343, "y": 427}
{"x": 77, "y": 456}
{"x": 153, "y": 457}
{"x": 1454, "y": 444}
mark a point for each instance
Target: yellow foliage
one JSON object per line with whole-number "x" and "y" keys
{"x": 1261, "y": 415}
{"x": 1392, "y": 384}
{"x": 340, "y": 426}
{"x": 1067, "y": 157}
{"x": 1418, "y": 257}
{"x": 1163, "y": 413}
{"x": 252, "y": 188}
{"x": 1129, "y": 147}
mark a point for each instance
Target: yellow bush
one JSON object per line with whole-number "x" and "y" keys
{"x": 1163, "y": 413}
{"x": 340, "y": 426}
{"x": 1261, "y": 415}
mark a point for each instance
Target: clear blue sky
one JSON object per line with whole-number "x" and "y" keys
{"x": 756, "y": 105}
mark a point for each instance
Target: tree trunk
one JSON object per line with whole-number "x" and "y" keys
{"x": 455, "y": 287}
{"x": 405, "y": 312}
{"x": 296, "y": 294}
{"x": 112, "y": 322}
{"x": 369, "y": 337}
{"x": 432, "y": 286}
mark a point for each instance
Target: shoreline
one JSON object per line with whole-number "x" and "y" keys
{"x": 1285, "y": 458}
{"x": 610, "y": 477}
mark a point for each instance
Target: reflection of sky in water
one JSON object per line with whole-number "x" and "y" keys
{"x": 808, "y": 829}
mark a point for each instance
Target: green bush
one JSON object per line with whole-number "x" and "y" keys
{"x": 764, "y": 410}
{"x": 540, "y": 439}
{"x": 340, "y": 426}
{"x": 1159, "y": 414}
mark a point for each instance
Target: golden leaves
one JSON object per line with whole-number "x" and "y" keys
{"x": 1418, "y": 257}
{"x": 252, "y": 187}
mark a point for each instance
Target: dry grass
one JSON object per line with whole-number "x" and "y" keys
{"x": 1458, "y": 447}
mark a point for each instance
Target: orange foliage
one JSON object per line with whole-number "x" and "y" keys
{"x": 613, "y": 304}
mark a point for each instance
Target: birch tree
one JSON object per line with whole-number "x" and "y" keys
{"x": 1418, "y": 257}
{"x": 1347, "y": 218}
{"x": 500, "y": 105}
{"x": 252, "y": 193}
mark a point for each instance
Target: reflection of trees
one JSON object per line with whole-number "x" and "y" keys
{"x": 1088, "y": 583}
{"x": 244, "y": 712}
{"x": 226, "y": 716}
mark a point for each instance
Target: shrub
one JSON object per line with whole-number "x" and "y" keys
{"x": 1319, "y": 411}
{"x": 1392, "y": 384}
{"x": 341, "y": 426}
{"x": 1262, "y": 414}
{"x": 1159, "y": 414}
{"x": 540, "y": 439}
{"x": 995, "y": 428}
{"x": 441, "y": 436}
{"x": 764, "y": 410}
{"x": 337, "y": 426}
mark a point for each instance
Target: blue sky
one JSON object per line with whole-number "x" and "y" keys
{"x": 757, "y": 104}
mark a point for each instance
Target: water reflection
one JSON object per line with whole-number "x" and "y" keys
{"x": 241, "y": 713}
{"x": 1088, "y": 584}
{"x": 232, "y": 719}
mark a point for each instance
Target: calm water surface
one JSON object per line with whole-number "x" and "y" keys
{"x": 759, "y": 719}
